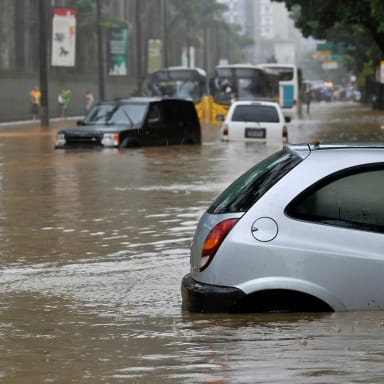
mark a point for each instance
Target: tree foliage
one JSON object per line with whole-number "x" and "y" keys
{"x": 188, "y": 19}
{"x": 357, "y": 24}
{"x": 186, "y": 22}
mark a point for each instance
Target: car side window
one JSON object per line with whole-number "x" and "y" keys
{"x": 352, "y": 201}
{"x": 154, "y": 113}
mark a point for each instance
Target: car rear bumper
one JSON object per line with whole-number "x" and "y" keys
{"x": 201, "y": 297}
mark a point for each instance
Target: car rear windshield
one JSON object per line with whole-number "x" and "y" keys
{"x": 259, "y": 113}
{"x": 248, "y": 188}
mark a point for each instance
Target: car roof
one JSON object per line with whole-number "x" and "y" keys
{"x": 150, "y": 99}
{"x": 303, "y": 150}
{"x": 255, "y": 102}
{"x": 142, "y": 99}
{"x": 183, "y": 68}
{"x": 138, "y": 99}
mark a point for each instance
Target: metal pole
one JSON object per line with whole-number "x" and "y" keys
{"x": 43, "y": 57}
{"x": 165, "y": 34}
{"x": 138, "y": 47}
{"x": 100, "y": 51}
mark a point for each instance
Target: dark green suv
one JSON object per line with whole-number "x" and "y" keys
{"x": 135, "y": 122}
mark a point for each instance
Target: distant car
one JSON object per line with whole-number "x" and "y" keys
{"x": 135, "y": 122}
{"x": 257, "y": 121}
{"x": 302, "y": 231}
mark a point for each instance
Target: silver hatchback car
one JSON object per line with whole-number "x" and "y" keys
{"x": 302, "y": 231}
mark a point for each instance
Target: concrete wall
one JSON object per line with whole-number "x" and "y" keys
{"x": 14, "y": 93}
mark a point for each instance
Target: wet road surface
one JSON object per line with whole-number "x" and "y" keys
{"x": 93, "y": 246}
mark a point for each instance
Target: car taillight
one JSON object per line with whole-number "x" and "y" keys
{"x": 214, "y": 239}
{"x": 225, "y": 130}
{"x": 285, "y": 134}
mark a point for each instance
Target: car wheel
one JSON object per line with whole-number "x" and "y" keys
{"x": 130, "y": 143}
{"x": 188, "y": 140}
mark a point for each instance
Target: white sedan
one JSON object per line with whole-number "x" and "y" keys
{"x": 255, "y": 121}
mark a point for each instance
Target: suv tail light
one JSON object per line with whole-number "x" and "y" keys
{"x": 225, "y": 130}
{"x": 285, "y": 134}
{"x": 214, "y": 239}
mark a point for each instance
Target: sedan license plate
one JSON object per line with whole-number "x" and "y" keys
{"x": 255, "y": 133}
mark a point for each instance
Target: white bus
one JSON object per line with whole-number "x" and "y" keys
{"x": 241, "y": 82}
{"x": 290, "y": 86}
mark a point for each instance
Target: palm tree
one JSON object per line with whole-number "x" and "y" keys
{"x": 190, "y": 23}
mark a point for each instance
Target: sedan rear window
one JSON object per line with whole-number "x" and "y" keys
{"x": 253, "y": 184}
{"x": 256, "y": 113}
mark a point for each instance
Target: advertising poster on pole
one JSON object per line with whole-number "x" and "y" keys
{"x": 382, "y": 72}
{"x": 154, "y": 55}
{"x": 117, "y": 51}
{"x": 63, "y": 37}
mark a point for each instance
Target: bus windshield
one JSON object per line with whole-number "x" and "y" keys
{"x": 187, "y": 83}
{"x": 236, "y": 82}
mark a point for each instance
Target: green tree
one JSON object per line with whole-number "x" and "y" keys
{"x": 359, "y": 25}
{"x": 316, "y": 18}
{"x": 190, "y": 20}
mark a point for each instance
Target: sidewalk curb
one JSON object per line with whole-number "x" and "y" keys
{"x": 38, "y": 121}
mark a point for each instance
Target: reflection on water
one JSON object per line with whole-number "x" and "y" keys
{"x": 93, "y": 248}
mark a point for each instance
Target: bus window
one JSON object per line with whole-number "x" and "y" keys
{"x": 290, "y": 85}
{"x": 241, "y": 82}
{"x": 180, "y": 82}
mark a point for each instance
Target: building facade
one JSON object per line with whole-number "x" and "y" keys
{"x": 269, "y": 25}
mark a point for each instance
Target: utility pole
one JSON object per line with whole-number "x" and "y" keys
{"x": 165, "y": 33}
{"x": 43, "y": 58}
{"x": 138, "y": 47}
{"x": 100, "y": 51}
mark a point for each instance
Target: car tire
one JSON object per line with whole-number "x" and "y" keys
{"x": 130, "y": 143}
{"x": 188, "y": 140}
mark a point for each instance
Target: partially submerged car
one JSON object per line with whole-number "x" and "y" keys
{"x": 255, "y": 121}
{"x": 302, "y": 231}
{"x": 135, "y": 122}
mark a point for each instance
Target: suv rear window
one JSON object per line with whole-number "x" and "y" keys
{"x": 248, "y": 188}
{"x": 262, "y": 113}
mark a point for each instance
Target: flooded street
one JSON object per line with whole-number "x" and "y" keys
{"x": 93, "y": 248}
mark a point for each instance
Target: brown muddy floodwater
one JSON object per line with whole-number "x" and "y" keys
{"x": 93, "y": 246}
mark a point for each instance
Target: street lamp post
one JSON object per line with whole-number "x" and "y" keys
{"x": 165, "y": 33}
{"x": 100, "y": 51}
{"x": 138, "y": 49}
{"x": 43, "y": 58}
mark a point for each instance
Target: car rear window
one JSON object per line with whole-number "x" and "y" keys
{"x": 256, "y": 113}
{"x": 253, "y": 184}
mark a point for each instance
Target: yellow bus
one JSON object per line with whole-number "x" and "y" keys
{"x": 241, "y": 82}
{"x": 181, "y": 82}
